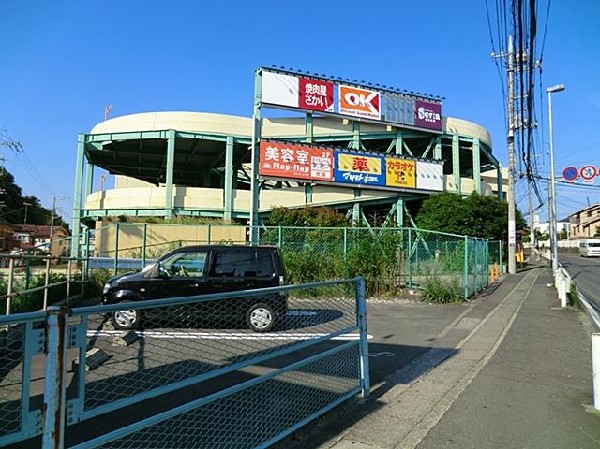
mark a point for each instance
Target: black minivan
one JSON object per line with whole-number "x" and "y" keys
{"x": 202, "y": 270}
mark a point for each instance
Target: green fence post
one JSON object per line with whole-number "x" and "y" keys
{"x": 116, "y": 259}
{"x": 279, "y": 236}
{"x": 345, "y": 243}
{"x": 466, "y": 269}
{"x": 208, "y": 229}
{"x": 144, "y": 234}
{"x": 410, "y": 271}
{"x": 500, "y": 252}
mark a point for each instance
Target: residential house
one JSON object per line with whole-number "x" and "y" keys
{"x": 585, "y": 223}
{"x": 43, "y": 239}
{"x": 7, "y": 231}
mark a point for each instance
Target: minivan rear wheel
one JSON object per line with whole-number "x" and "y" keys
{"x": 261, "y": 317}
{"x": 126, "y": 319}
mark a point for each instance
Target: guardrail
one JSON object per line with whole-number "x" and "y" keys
{"x": 185, "y": 378}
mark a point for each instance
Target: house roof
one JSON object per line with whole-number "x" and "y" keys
{"x": 40, "y": 230}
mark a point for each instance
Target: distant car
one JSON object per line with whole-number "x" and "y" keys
{"x": 589, "y": 248}
{"x": 201, "y": 270}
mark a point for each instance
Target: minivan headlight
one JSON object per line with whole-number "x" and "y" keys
{"x": 106, "y": 288}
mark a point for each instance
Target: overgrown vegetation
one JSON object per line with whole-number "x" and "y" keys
{"x": 440, "y": 290}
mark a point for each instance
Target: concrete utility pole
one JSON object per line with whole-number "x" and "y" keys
{"x": 552, "y": 223}
{"x": 510, "y": 140}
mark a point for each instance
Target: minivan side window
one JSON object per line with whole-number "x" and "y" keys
{"x": 188, "y": 264}
{"x": 238, "y": 263}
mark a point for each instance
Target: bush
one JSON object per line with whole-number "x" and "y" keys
{"x": 441, "y": 291}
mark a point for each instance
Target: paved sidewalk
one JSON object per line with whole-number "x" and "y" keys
{"x": 518, "y": 377}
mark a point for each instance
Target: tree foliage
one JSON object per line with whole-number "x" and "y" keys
{"x": 14, "y": 205}
{"x": 308, "y": 216}
{"x": 475, "y": 215}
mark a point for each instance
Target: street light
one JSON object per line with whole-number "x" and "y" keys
{"x": 552, "y": 206}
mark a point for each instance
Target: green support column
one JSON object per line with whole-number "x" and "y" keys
{"x": 476, "y": 166}
{"x": 77, "y": 197}
{"x": 308, "y": 191}
{"x": 355, "y": 143}
{"x": 500, "y": 185}
{"x": 356, "y": 209}
{"x": 309, "y": 127}
{"x": 228, "y": 187}
{"x": 169, "y": 175}
{"x": 400, "y": 200}
{"x": 437, "y": 151}
{"x": 308, "y": 188}
{"x": 400, "y": 212}
{"x": 399, "y": 143}
{"x": 256, "y": 136}
{"x": 456, "y": 163}
{"x": 89, "y": 180}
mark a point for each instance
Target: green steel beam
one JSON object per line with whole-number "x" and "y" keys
{"x": 77, "y": 197}
{"x": 256, "y": 136}
{"x": 456, "y": 163}
{"x": 309, "y": 127}
{"x": 476, "y": 165}
{"x": 89, "y": 180}
{"x": 228, "y": 185}
{"x": 437, "y": 152}
{"x": 169, "y": 174}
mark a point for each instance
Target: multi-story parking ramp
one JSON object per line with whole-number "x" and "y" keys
{"x": 183, "y": 379}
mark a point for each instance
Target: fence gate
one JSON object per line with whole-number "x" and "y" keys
{"x": 184, "y": 379}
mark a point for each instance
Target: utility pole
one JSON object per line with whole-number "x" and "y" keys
{"x": 510, "y": 140}
{"x": 52, "y": 224}
{"x": 531, "y": 222}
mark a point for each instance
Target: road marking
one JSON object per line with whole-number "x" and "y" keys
{"x": 222, "y": 336}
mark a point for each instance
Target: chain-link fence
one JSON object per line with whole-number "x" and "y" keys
{"x": 188, "y": 372}
{"x": 390, "y": 259}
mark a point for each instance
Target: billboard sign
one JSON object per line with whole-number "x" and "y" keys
{"x": 428, "y": 114}
{"x": 359, "y": 168}
{"x": 280, "y": 89}
{"x": 291, "y": 161}
{"x": 359, "y": 102}
{"x": 398, "y": 108}
{"x": 299, "y": 91}
{"x": 316, "y": 95}
{"x": 400, "y": 172}
{"x": 430, "y": 176}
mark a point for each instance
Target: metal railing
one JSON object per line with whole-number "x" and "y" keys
{"x": 186, "y": 377}
{"x": 39, "y": 280}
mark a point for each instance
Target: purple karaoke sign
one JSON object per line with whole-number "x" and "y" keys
{"x": 428, "y": 115}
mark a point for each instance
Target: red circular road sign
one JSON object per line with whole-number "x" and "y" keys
{"x": 587, "y": 172}
{"x": 570, "y": 174}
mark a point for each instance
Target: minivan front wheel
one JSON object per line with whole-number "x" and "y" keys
{"x": 261, "y": 317}
{"x": 126, "y": 319}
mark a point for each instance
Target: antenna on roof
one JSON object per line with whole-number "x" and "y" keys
{"x": 107, "y": 110}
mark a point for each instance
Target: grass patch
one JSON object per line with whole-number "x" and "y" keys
{"x": 441, "y": 291}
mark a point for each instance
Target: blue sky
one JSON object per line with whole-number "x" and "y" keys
{"x": 63, "y": 63}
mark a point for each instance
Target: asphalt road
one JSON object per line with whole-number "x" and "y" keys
{"x": 585, "y": 271}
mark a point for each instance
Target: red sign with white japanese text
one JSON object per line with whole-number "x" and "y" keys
{"x": 315, "y": 95}
{"x": 283, "y": 160}
{"x": 359, "y": 102}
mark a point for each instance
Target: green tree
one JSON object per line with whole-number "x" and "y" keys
{"x": 307, "y": 216}
{"x": 475, "y": 215}
{"x": 14, "y": 205}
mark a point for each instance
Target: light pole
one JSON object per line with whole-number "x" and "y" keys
{"x": 25, "y": 215}
{"x": 552, "y": 222}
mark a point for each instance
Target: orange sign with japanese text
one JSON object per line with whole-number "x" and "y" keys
{"x": 284, "y": 160}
